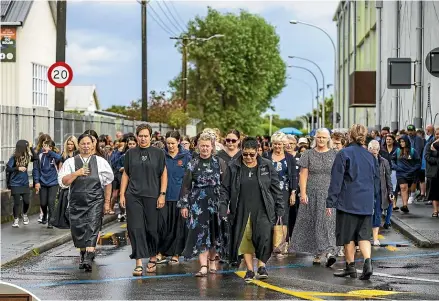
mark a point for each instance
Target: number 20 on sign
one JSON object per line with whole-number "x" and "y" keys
{"x": 60, "y": 74}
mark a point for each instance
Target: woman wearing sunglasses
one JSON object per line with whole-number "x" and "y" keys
{"x": 231, "y": 151}
{"x": 251, "y": 191}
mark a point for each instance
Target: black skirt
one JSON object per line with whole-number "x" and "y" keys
{"x": 433, "y": 190}
{"x": 352, "y": 227}
{"x": 172, "y": 230}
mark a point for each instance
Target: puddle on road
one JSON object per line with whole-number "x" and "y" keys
{"x": 118, "y": 239}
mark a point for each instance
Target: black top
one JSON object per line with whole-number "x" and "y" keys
{"x": 144, "y": 167}
{"x": 251, "y": 196}
{"x": 225, "y": 156}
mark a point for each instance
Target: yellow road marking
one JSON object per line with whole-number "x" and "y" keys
{"x": 107, "y": 235}
{"x": 362, "y": 294}
{"x": 380, "y": 237}
{"x": 392, "y": 248}
{"x": 123, "y": 226}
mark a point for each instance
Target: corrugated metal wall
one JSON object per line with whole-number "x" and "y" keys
{"x": 23, "y": 123}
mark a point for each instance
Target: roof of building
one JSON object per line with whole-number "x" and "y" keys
{"x": 15, "y": 11}
{"x": 18, "y": 10}
{"x": 338, "y": 10}
{"x": 81, "y": 98}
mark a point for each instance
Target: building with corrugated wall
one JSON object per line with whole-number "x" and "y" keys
{"x": 358, "y": 53}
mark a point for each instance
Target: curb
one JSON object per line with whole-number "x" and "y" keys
{"x": 50, "y": 244}
{"x": 411, "y": 233}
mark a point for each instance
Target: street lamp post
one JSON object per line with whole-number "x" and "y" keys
{"x": 335, "y": 105}
{"x": 185, "y": 45}
{"x": 322, "y": 89}
{"x": 317, "y": 88}
{"x": 312, "y": 99}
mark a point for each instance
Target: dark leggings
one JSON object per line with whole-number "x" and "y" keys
{"x": 47, "y": 199}
{"x": 17, "y": 203}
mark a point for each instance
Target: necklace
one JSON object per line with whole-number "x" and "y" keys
{"x": 251, "y": 168}
{"x": 84, "y": 162}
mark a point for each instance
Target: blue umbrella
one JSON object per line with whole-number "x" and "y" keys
{"x": 291, "y": 131}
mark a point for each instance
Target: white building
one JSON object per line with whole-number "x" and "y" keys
{"x": 28, "y": 30}
{"x": 83, "y": 99}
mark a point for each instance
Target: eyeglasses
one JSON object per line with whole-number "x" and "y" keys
{"x": 251, "y": 155}
{"x": 231, "y": 140}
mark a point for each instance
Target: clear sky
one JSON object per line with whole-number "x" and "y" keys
{"x": 104, "y": 45}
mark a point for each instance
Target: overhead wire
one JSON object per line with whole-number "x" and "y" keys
{"x": 167, "y": 16}
{"x": 159, "y": 21}
{"x": 177, "y": 14}
{"x": 172, "y": 15}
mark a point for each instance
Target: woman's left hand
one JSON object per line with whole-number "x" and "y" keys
{"x": 292, "y": 199}
{"x": 328, "y": 212}
{"x": 161, "y": 201}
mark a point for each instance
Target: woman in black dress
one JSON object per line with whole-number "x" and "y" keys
{"x": 199, "y": 199}
{"x": 231, "y": 151}
{"x": 142, "y": 193}
{"x": 89, "y": 179}
{"x": 252, "y": 191}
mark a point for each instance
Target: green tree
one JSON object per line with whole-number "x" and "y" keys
{"x": 232, "y": 80}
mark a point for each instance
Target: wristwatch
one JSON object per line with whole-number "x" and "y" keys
{"x": 162, "y": 193}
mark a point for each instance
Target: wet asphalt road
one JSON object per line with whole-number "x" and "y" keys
{"x": 400, "y": 273}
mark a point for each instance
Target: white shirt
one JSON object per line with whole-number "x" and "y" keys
{"x": 105, "y": 172}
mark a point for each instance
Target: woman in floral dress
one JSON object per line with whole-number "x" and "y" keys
{"x": 199, "y": 204}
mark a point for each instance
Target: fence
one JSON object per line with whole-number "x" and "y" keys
{"x": 26, "y": 123}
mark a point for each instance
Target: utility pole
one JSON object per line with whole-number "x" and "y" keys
{"x": 144, "y": 64}
{"x": 61, "y": 27}
{"x": 184, "y": 69}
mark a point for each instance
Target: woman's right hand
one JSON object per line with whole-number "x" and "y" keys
{"x": 82, "y": 172}
{"x": 303, "y": 199}
{"x": 184, "y": 212}
{"x": 22, "y": 169}
{"x": 122, "y": 200}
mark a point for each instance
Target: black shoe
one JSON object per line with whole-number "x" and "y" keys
{"x": 262, "y": 273}
{"x": 367, "y": 270}
{"x": 88, "y": 259}
{"x": 249, "y": 276}
{"x": 44, "y": 221}
{"x": 330, "y": 260}
{"x": 396, "y": 208}
{"x": 49, "y": 226}
{"x": 81, "y": 260}
{"x": 350, "y": 270}
{"x": 405, "y": 209}
{"x": 386, "y": 226}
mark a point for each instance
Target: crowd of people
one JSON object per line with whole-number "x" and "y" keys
{"x": 218, "y": 196}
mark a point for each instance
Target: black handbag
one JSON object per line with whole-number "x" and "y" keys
{"x": 61, "y": 218}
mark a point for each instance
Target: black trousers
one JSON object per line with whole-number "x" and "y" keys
{"x": 142, "y": 225}
{"x": 47, "y": 200}
{"x": 17, "y": 203}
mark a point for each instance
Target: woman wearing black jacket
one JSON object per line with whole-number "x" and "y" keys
{"x": 432, "y": 172}
{"x": 252, "y": 191}
{"x": 285, "y": 165}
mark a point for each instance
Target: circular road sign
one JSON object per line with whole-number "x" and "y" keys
{"x": 432, "y": 62}
{"x": 60, "y": 74}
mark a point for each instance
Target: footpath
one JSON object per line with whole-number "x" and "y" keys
{"x": 417, "y": 225}
{"x": 33, "y": 239}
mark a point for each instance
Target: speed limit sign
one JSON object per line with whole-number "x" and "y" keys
{"x": 60, "y": 74}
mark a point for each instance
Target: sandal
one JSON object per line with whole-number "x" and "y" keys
{"x": 138, "y": 271}
{"x": 161, "y": 259}
{"x": 153, "y": 268}
{"x": 200, "y": 273}
{"x": 212, "y": 271}
{"x": 435, "y": 214}
{"x": 173, "y": 261}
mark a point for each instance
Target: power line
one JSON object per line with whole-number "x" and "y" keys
{"x": 172, "y": 15}
{"x": 166, "y": 15}
{"x": 159, "y": 21}
{"x": 176, "y": 12}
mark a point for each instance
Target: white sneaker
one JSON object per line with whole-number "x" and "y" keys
{"x": 411, "y": 199}
{"x": 341, "y": 253}
{"x": 15, "y": 224}
{"x": 40, "y": 219}
{"x": 376, "y": 243}
{"x": 25, "y": 219}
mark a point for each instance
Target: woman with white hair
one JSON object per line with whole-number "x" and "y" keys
{"x": 314, "y": 231}
{"x": 285, "y": 165}
{"x": 385, "y": 198}
{"x": 199, "y": 201}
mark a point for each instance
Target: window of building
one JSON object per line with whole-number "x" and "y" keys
{"x": 39, "y": 86}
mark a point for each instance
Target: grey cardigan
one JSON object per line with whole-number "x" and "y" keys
{"x": 386, "y": 182}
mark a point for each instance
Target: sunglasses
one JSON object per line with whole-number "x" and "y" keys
{"x": 248, "y": 155}
{"x": 231, "y": 140}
